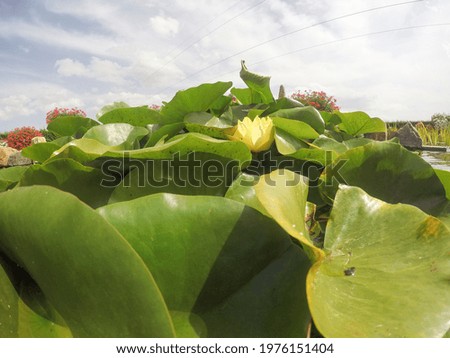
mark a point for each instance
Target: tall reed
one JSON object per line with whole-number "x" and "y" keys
{"x": 433, "y": 136}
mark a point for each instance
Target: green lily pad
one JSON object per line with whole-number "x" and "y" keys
{"x": 389, "y": 172}
{"x": 85, "y": 268}
{"x": 297, "y": 129}
{"x": 196, "y": 99}
{"x": 40, "y": 152}
{"x": 24, "y": 311}
{"x": 246, "y": 96}
{"x": 357, "y": 123}
{"x": 191, "y": 174}
{"x": 10, "y": 176}
{"x": 281, "y": 103}
{"x": 208, "y": 124}
{"x": 220, "y": 105}
{"x": 257, "y": 83}
{"x": 281, "y": 195}
{"x": 71, "y": 126}
{"x": 119, "y": 135}
{"x": 236, "y": 271}
{"x": 135, "y": 116}
{"x": 308, "y": 115}
{"x": 444, "y": 177}
{"x": 287, "y": 144}
{"x": 166, "y": 131}
{"x": 70, "y": 176}
{"x": 9, "y": 306}
{"x": 385, "y": 274}
{"x": 86, "y": 150}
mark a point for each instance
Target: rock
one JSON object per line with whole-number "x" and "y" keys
{"x": 37, "y": 140}
{"x": 5, "y": 153}
{"x": 17, "y": 159}
{"x": 409, "y": 137}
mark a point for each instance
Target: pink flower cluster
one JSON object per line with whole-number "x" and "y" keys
{"x": 154, "y": 107}
{"x": 56, "y": 112}
{"x": 20, "y": 138}
{"x": 318, "y": 99}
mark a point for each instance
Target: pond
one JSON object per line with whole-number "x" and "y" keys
{"x": 439, "y": 160}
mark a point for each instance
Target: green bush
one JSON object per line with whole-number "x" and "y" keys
{"x": 440, "y": 121}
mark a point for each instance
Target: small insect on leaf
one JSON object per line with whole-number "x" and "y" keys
{"x": 350, "y": 271}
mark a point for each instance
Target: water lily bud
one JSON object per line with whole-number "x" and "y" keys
{"x": 257, "y": 134}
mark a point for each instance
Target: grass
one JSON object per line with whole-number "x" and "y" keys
{"x": 433, "y": 136}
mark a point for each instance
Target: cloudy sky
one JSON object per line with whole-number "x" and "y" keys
{"x": 89, "y": 53}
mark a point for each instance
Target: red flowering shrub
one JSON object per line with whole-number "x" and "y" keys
{"x": 154, "y": 107}
{"x": 320, "y": 100}
{"x": 20, "y": 138}
{"x": 51, "y": 115}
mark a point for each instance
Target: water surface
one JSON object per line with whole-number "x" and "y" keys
{"x": 439, "y": 160}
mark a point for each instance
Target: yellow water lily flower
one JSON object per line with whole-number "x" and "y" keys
{"x": 257, "y": 134}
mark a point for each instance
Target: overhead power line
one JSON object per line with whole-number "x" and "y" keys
{"x": 293, "y": 32}
{"x": 206, "y": 35}
{"x": 337, "y": 41}
{"x": 193, "y": 33}
{"x": 351, "y": 38}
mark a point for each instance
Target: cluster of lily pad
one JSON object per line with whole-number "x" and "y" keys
{"x": 289, "y": 218}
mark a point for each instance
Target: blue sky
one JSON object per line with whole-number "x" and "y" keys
{"x": 89, "y": 53}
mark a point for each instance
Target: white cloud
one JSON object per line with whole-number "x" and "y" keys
{"x": 101, "y": 70}
{"x": 165, "y": 26}
{"x": 126, "y": 51}
{"x": 33, "y": 100}
{"x": 17, "y": 105}
{"x": 50, "y": 35}
{"x": 68, "y": 67}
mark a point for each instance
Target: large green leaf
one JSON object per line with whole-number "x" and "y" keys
{"x": 136, "y": 116}
{"x": 257, "y": 83}
{"x": 231, "y": 273}
{"x": 239, "y": 112}
{"x": 357, "y": 123}
{"x": 246, "y": 96}
{"x": 206, "y": 123}
{"x": 72, "y": 126}
{"x": 308, "y": 115}
{"x": 282, "y": 103}
{"x": 286, "y": 143}
{"x": 444, "y": 177}
{"x": 389, "y": 172}
{"x": 322, "y": 151}
{"x": 10, "y": 176}
{"x": 86, "y": 150}
{"x": 297, "y": 129}
{"x": 220, "y": 105}
{"x": 192, "y": 174}
{"x": 9, "y": 306}
{"x": 281, "y": 195}
{"x": 83, "y": 266}
{"x": 165, "y": 131}
{"x": 40, "y": 152}
{"x": 196, "y": 99}
{"x": 119, "y": 135}
{"x": 24, "y": 311}
{"x": 68, "y": 175}
{"x": 386, "y": 271}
